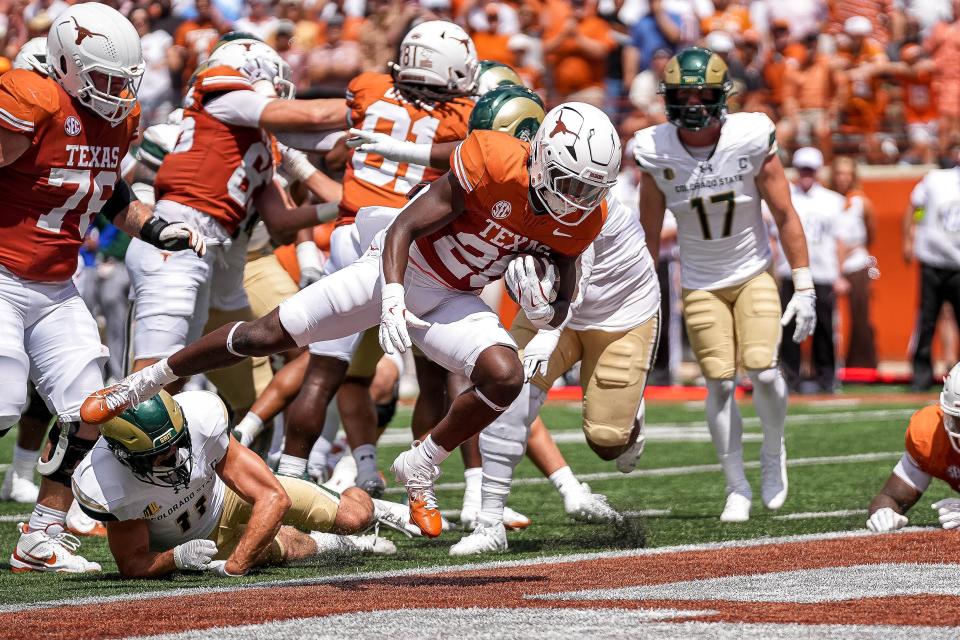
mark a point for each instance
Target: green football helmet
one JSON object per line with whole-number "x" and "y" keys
{"x": 233, "y": 36}
{"x": 511, "y": 109}
{"x": 493, "y": 74}
{"x": 152, "y": 440}
{"x": 704, "y": 72}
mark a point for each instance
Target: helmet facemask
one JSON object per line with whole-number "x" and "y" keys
{"x": 109, "y": 94}
{"x": 169, "y": 467}
{"x": 709, "y": 110}
{"x": 951, "y": 424}
{"x": 569, "y": 198}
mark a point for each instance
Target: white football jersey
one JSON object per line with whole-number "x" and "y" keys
{"x": 821, "y": 213}
{"x": 720, "y": 229}
{"x": 622, "y": 290}
{"x": 937, "y": 240}
{"x": 107, "y": 490}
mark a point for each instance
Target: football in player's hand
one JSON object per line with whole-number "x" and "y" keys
{"x": 546, "y": 276}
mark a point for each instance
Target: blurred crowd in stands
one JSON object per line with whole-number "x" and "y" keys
{"x": 876, "y": 79}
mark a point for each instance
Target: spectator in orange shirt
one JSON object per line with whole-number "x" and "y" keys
{"x": 576, "y": 53}
{"x": 193, "y": 40}
{"x": 915, "y": 74}
{"x": 334, "y": 63}
{"x": 729, "y": 16}
{"x": 885, "y": 20}
{"x": 784, "y": 53}
{"x": 861, "y": 59}
{"x": 944, "y": 45}
{"x": 811, "y": 102}
{"x": 490, "y": 43}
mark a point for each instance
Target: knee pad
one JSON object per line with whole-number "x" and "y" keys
{"x": 66, "y": 453}
{"x": 385, "y": 412}
{"x": 607, "y": 435}
{"x": 503, "y": 442}
{"x": 763, "y": 377}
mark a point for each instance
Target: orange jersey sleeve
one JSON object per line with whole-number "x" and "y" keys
{"x": 927, "y": 442}
{"x": 26, "y": 101}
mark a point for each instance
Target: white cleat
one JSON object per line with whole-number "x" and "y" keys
{"x": 627, "y": 461}
{"x": 19, "y": 488}
{"x": 490, "y": 538}
{"x": 344, "y": 475}
{"x": 737, "y": 508}
{"x": 512, "y": 520}
{"x": 100, "y": 406}
{"x": 395, "y": 516}
{"x": 773, "y": 480}
{"x": 79, "y": 523}
{"x": 584, "y": 506}
{"x": 374, "y": 544}
{"x": 37, "y": 551}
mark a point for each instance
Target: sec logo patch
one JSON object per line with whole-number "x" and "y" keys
{"x": 71, "y": 126}
{"x": 501, "y": 210}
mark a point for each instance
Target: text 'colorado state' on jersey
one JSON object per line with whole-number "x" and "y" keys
{"x": 720, "y": 229}
{"x": 215, "y": 167}
{"x": 375, "y": 104}
{"x": 107, "y": 490}
{"x": 61, "y": 181}
{"x": 498, "y": 221}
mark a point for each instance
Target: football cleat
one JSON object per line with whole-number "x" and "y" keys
{"x": 627, "y": 461}
{"x": 584, "y": 506}
{"x": 396, "y": 516}
{"x": 19, "y": 488}
{"x": 374, "y": 484}
{"x": 37, "y": 551}
{"x": 737, "y": 508}
{"x": 512, "y": 520}
{"x": 80, "y": 524}
{"x": 486, "y": 538}
{"x": 372, "y": 543}
{"x": 106, "y": 404}
{"x": 422, "y": 500}
{"x": 773, "y": 480}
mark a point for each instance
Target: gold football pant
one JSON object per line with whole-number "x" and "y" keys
{"x": 613, "y": 373}
{"x": 312, "y": 508}
{"x": 744, "y": 318}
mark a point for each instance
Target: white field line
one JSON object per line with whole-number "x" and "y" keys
{"x": 647, "y": 513}
{"x": 421, "y": 571}
{"x": 679, "y": 471}
{"x": 16, "y": 517}
{"x": 697, "y": 431}
{"x": 812, "y": 515}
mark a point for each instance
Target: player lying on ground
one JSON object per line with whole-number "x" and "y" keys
{"x": 932, "y": 445}
{"x": 176, "y": 491}
{"x": 489, "y": 204}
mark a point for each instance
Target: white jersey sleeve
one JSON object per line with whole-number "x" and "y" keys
{"x": 720, "y": 232}
{"x": 238, "y": 108}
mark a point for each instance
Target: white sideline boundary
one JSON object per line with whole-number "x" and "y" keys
{"x": 679, "y": 471}
{"x": 448, "y": 569}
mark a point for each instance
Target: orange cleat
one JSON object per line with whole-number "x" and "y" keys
{"x": 96, "y": 409}
{"x": 419, "y": 479}
{"x": 108, "y": 403}
{"x": 424, "y": 513}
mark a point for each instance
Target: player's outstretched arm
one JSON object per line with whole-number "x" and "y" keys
{"x": 250, "y": 478}
{"x": 436, "y": 155}
{"x": 129, "y": 542}
{"x": 304, "y": 115}
{"x": 889, "y": 506}
{"x": 284, "y": 219}
{"x": 653, "y": 206}
{"x": 12, "y": 146}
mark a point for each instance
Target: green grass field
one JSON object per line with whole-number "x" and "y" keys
{"x": 688, "y": 501}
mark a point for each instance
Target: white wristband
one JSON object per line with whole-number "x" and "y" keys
{"x": 308, "y": 254}
{"x": 327, "y": 211}
{"x": 392, "y": 290}
{"x": 297, "y": 165}
{"x": 802, "y": 279}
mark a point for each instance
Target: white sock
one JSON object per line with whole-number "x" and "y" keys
{"x": 473, "y": 479}
{"x": 331, "y": 543}
{"x": 318, "y": 462}
{"x": 366, "y": 457}
{"x": 770, "y": 401}
{"x": 46, "y": 518}
{"x": 565, "y": 482}
{"x": 292, "y": 466}
{"x": 160, "y": 373}
{"x": 24, "y": 461}
{"x": 430, "y": 453}
{"x": 251, "y": 425}
{"x": 726, "y": 431}
{"x": 276, "y": 441}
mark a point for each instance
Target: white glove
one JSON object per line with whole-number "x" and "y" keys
{"x": 194, "y": 555}
{"x": 389, "y": 147}
{"x": 532, "y": 293}
{"x": 219, "y": 568}
{"x": 536, "y": 355}
{"x": 394, "y": 318}
{"x": 311, "y": 263}
{"x": 949, "y": 511}
{"x": 296, "y": 164}
{"x": 173, "y": 236}
{"x": 257, "y": 68}
{"x": 802, "y": 306}
{"x": 886, "y": 519}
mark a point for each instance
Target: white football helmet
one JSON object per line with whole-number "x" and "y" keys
{"x": 439, "y": 59}
{"x": 93, "y": 52}
{"x": 574, "y": 160}
{"x": 239, "y": 54}
{"x": 33, "y": 55}
{"x": 950, "y": 404}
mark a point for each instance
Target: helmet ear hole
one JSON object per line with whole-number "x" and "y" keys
{"x": 63, "y": 64}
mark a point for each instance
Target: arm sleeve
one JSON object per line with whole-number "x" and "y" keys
{"x": 119, "y": 200}
{"x": 911, "y": 473}
{"x": 316, "y": 141}
{"x": 238, "y": 108}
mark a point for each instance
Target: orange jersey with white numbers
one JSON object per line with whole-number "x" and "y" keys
{"x": 216, "y": 168}
{"x": 929, "y": 445}
{"x": 52, "y": 191}
{"x": 498, "y": 221}
{"x": 376, "y": 105}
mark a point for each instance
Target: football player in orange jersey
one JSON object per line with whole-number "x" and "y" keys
{"x": 932, "y": 445}
{"x": 65, "y": 124}
{"x": 425, "y": 99}
{"x": 221, "y": 168}
{"x": 501, "y": 198}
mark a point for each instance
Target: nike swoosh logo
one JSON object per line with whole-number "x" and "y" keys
{"x": 557, "y": 232}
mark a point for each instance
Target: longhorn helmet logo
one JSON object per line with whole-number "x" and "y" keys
{"x": 561, "y": 127}
{"x": 464, "y": 41}
{"x": 83, "y": 33}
